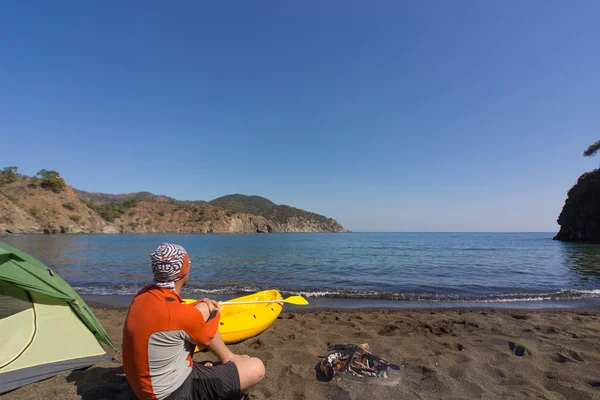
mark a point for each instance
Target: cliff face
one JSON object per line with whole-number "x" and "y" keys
{"x": 25, "y": 207}
{"x": 580, "y": 217}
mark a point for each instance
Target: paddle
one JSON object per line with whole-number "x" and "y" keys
{"x": 296, "y": 300}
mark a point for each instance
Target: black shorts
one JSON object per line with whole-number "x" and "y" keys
{"x": 209, "y": 383}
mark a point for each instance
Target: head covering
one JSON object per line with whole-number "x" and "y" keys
{"x": 170, "y": 263}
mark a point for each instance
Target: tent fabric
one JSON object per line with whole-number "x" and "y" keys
{"x": 17, "y": 323}
{"x": 59, "y": 336}
{"x": 15, "y": 379}
{"x": 29, "y": 274}
{"x": 42, "y": 341}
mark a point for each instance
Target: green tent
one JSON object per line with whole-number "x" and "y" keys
{"x": 45, "y": 327}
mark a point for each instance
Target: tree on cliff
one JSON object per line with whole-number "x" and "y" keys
{"x": 51, "y": 180}
{"x": 9, "y": 174}
{"x": 592, "y": 149}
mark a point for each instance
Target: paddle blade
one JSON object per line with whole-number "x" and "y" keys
{"x": 297, "y": 300}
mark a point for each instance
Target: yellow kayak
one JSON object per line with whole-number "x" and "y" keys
{"x": 242, "y": 321}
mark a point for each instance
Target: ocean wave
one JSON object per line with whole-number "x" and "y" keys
{"x": 560, "y": 295}
{"x": 357, "y": 294}
{"x": 111, "y": 290}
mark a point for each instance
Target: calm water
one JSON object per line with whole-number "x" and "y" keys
{"x": 425, "y": 267}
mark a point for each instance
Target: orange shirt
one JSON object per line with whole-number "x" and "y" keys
{"x": 159, "y": 337}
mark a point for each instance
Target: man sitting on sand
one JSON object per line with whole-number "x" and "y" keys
{"x": 160, "y": 334}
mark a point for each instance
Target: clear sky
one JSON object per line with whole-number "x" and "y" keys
{"x": 386, "y": 115}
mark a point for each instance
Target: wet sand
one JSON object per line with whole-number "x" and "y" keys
{"x": 443, "y": 353}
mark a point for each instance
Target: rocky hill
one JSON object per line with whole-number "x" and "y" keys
{"x": 290, "y": 219}
{"x": 46, "y": 204}
{"x": 580, "y": 217}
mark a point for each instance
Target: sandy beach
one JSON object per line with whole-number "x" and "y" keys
{"x": 443, "y": 353}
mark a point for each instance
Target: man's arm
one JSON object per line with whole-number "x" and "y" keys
{"x": 216, "y": 345}
{"x": 200, "y": 320}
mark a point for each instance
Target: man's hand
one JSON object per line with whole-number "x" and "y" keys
{"x": 206, "y": 307}
{"x": 212, "y": 304}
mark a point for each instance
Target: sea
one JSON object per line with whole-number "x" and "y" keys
{"x": 341, "y": 270}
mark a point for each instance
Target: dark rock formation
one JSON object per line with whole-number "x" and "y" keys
{"x": 580, "y": 217}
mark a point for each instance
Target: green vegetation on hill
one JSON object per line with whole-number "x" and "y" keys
{"x": 51, "y": 180}
{"x": 139, "y": 196}
{"x": 46, "y": 179}
{"x": 117, "y": 198}
{"x": 9, "y": 175}
{"x": 245, "y": 204}
{"x": 111, "y": 211}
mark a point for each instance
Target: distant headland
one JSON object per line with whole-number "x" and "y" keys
{"x": 45, "y": 203}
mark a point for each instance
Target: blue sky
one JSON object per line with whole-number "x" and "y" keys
{"x": 386, "y": 115}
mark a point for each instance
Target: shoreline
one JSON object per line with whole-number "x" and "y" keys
{"x": 443, "y": 353}
{"x": 323, "y": 303}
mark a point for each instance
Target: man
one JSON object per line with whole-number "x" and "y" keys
{"x": 160, "y": 334}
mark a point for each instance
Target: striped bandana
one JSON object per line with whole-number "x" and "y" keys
{"x": 170, "y": 263}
